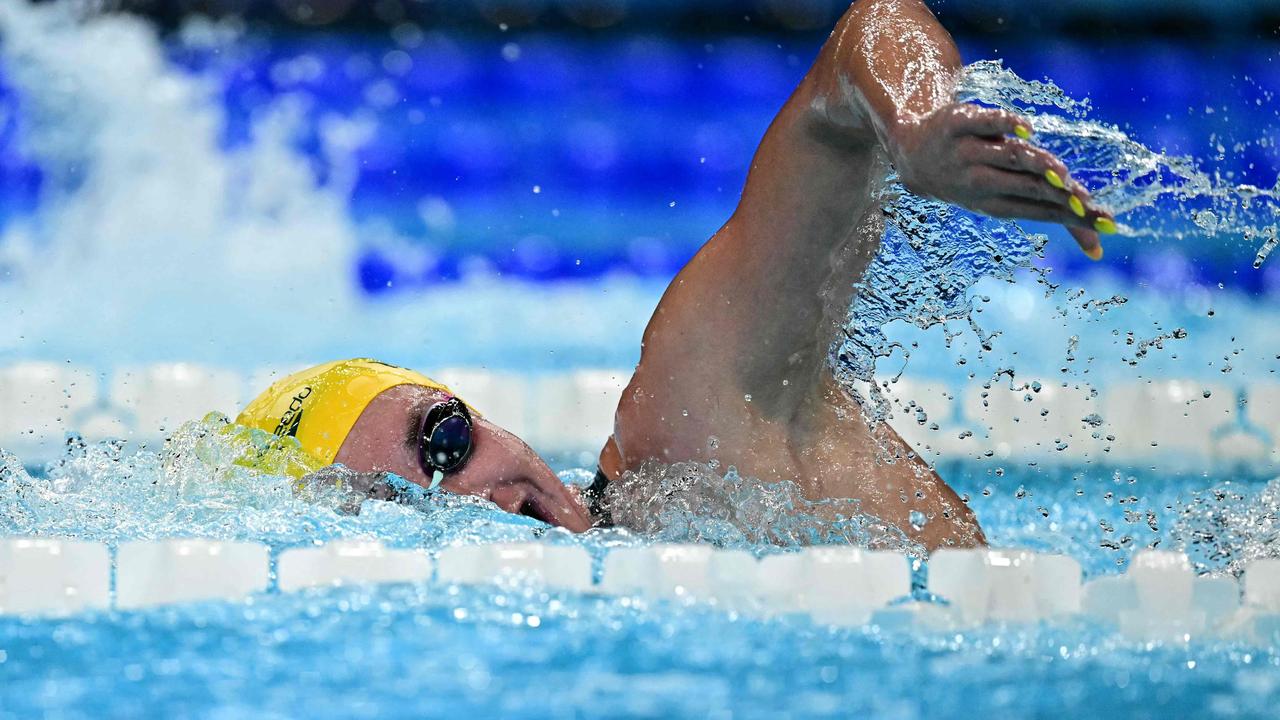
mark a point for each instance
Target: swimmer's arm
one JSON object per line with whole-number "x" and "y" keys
{"x": 888, "y": 75}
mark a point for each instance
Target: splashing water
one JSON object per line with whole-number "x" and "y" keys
{"x": 1226, "y": 527}
{"x": 1158, "y": 195}
{"x": 149, "y": 227}
{"x": 933, "y": 255}
{"x": 200, "y": 485}
{"x": 700, "y": 502}
{"x": 139, "y": 195}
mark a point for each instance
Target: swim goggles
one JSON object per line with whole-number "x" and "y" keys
{"x": 445, "y": 439}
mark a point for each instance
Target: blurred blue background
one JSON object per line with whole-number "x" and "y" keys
{"x": 563, "y": 139}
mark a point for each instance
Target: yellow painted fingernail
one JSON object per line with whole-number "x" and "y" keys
{"x": 1077, "y": 207}
{"x": 1054, "y": 179}
{"x": 1105, "y": 226}
{"x": 1094, "y": 254}
{"x": 1022, "y": 131}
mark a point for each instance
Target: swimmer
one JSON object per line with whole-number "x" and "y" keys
{"x": 738, "y": 346}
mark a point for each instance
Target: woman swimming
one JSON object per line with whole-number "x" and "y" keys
{"x": 738, "y": 347}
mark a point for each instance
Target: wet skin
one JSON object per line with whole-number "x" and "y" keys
{"x": 738, "y": 348}
{"x": 501, "y": 468}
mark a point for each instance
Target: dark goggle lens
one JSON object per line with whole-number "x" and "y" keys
{"x": 449, "y": 443}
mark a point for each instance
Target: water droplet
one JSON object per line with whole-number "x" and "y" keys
{"x": 918, "y": 519}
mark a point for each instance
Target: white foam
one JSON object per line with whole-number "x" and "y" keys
{"x": 347, "y": 562}
{"x": 171, "y": 571}
{"x": 166, "y": 234}
{"x": 45, "y": 576}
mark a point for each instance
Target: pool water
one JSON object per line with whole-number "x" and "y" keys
{"x": 439, "y": 650}
{"x": 160, "y": 157}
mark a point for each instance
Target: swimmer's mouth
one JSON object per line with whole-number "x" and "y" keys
{"x": 530, "y": 507}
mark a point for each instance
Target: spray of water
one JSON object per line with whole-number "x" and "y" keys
{"x": 1227, "y": 526}
{"x": 219, "y": 480}
{"x": 157, "y": 239}
{"x": 143, "y": 212}
{"x": 702, "y": 502}
{"x": 934, "y": 255}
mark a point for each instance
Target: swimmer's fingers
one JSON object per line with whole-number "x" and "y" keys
{"x": 1073, "y": 197}
{"x": 1018, "y": 156}
{"x": 987, "y": 122}
{"x": 1044, "y": 167}
{"x": 998, "y": 182}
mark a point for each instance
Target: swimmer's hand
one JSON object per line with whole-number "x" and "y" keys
{"x": 979, "y": 158}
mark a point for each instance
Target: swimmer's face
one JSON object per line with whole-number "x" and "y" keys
{"x": 501, "y": 468}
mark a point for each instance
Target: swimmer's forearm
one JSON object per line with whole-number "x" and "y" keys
{"x": 887, "y": 63}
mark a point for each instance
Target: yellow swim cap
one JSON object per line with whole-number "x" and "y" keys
{"x": 319, "y": 406}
